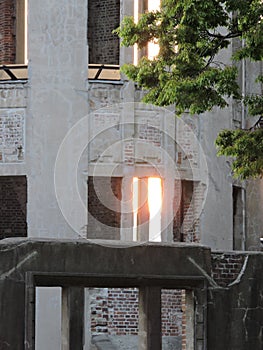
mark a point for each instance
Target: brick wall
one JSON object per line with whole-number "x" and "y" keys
{"x": 103, "y": 17}
{"x": 7, "y": 31}
{"x": 226, "y": 267}
{"x": 123, "y": 311}
{"x": 188, "y": 196}
{"x": 13, "y": 200}
{"x": 114, "y": 311}
{"x": 104, "y": 205}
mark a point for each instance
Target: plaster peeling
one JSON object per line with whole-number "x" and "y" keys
{"x": 204, "y": 273}
{"x": 22, "y": 262}
{"x": 241, "y": 273}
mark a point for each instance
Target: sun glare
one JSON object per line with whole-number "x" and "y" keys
{"x": 154, "y": 199}
{"x": 153, "y": 47}
{"x": 135, "y": 200}
{"x": 155, "y": 206}
{"x": 136, "y": 18}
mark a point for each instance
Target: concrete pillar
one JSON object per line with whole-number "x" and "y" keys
{"x": 143, "y": 210}
{"x": 72, "y": 318}
{"x": 150, "y": 321}
{"x": 190, "y": 319}
{"x": 127, "y": 209}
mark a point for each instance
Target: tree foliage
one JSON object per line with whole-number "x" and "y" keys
{"x": 188, "y": 71}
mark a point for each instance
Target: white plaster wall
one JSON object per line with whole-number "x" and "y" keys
{"x": 57, "y": 53}
{"x": 216, "y": 218}
{"x": 57, "y": 99}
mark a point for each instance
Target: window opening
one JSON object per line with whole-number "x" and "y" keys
{"x": 152, "y": 48}
{"x": 13, "y": 32}
{"x": 153, "y": 206}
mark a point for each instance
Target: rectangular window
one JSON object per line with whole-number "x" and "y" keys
{"x": 103, "y": 18}
{"x": 152, "y": 49}
{"x": 147, "y": 207}
{"x": 238, "y": 219}
{"x": 104, "y": 207}
{"x": 13, "y": 32}
{"x": 13, "y": 206}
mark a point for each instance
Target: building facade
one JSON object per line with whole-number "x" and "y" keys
{"x": 78, "y": 149}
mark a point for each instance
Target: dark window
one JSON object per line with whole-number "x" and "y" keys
{"x": 104, "y": 207}
{"x": 238, "y": 224}
{"x": 7, "y": 31}
{"x": 183, "y": 194}
{"x": 13, "y": 31}
{"x": 13, "y": 203}
{"x": 103, "y": 18}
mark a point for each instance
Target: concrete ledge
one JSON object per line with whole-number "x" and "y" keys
{"x": 116, "y": 261}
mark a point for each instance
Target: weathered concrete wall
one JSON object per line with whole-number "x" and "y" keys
{"x": 57, "y": 75}
{"x": 235, "y": 309}
{"x": 254, "y": 217}
{"x": 114, "y": 265}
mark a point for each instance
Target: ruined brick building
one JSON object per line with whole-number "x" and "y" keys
{"x": 78, "y": 152}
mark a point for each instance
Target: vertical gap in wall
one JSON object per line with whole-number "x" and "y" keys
{"x": 238, "y": 228}
{"x": 172, "y": 318}
{"x": 153, "y": 46}
{"x": 21, "y": 31}
{"x": 48, "y": 318}
{"x": 135, "y": 206}
{"x": 155, "y": 208}
{"x": 154, "y": 201}
{"x": 136, "y": 18}
{"x": 25, "y": 34}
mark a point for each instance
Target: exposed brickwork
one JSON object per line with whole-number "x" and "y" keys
{"x": 172, "y": 312}
{"x": 183, "y": 303}
{"x": 12, "y": 128}
{"x": 104, "y": 206}
{"x": 123, "y": 311}
{"x": 7, "y": 31}
{"x": 103, "y": 18}
{"x": 188, "y": 196}
{"x": 13, "y": 200}
{"x": 186, "y": 144}
{"x": 115, "y": 311}
{"x": 226, "y": 267}
{"x": 99, "y": 310}
{"x": 129, "y": 152}
{"x": 178, "y": 212}
{"x": 150, "y": 134}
